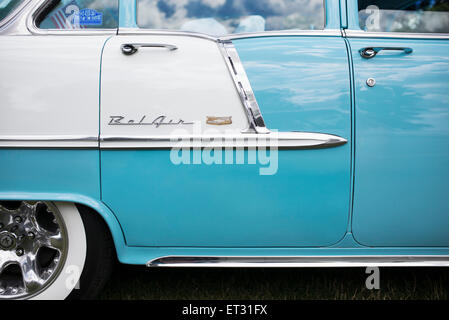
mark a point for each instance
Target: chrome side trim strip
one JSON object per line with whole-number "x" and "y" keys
{"x": 243, "y": 87}
{"x": 57, "y": 141}
{"x": 394, "y": 35}
{"x": 273, "y": 140}
{"x": 299, "y": 261}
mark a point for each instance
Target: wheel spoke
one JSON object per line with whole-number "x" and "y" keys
{"x": 31, "y": 279}
{"x": 55, "y": 242}
{"x": 27, "y": 209}
{"x": 33, "y": 220}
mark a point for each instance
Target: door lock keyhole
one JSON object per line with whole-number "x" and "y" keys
{"x": 371, "y": 82}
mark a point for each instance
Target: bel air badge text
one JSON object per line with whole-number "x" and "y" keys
{"x": 143, "y": 121}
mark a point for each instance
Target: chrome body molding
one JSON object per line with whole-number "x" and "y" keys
{"x": 299, "y": 261}
{"x": 57, "y": 141}
{"x": 394, "y": 35}
{"x": 281, "y": 140}
{"x": 272, "y": 140}
{"x": 243, "y": 87}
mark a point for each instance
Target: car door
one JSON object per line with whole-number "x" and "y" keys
{"x": 402, "y": 122}
{"x": 163, "y": 91}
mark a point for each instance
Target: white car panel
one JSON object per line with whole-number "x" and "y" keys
{"x": 54, "y": 92}
{"x": 188, "y": 84}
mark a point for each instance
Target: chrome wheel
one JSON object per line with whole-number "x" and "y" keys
{"x": 33, "y": 247}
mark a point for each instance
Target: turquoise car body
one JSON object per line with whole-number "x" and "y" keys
{"x": 382, "y": 193}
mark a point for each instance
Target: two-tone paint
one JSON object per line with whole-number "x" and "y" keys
{"x": 380, "y": 194}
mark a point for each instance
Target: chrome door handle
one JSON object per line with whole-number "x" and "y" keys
{"x": 131, "y": 48}
{"x": 371, "y": 52}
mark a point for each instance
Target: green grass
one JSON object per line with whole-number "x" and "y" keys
{"x": 135, "y": 282}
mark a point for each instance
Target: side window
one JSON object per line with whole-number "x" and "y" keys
{"x": 81, "y": 14}
{"x": 421, "y": 16}
{"x": 222, "y": 17}
{"x": 7, "y": 6}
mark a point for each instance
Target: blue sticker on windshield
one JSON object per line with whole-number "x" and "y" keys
{"x": 90, "y": 17}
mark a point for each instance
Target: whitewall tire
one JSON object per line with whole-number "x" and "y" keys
{"x": 71, "y": 272}
{"x": 52, "y": 251}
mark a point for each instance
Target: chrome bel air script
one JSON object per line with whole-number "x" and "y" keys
{"x": 157, "y": 122}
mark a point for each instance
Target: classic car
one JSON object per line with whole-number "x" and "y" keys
{"x": 219, "y": 133}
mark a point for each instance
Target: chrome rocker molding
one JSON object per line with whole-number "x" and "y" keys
{"x": 299, "y": 261}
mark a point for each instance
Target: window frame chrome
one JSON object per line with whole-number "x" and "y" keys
{"x": 286, "y": 33}
{"x": 351, "y": 33}
{"x": 13, "y": 14}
